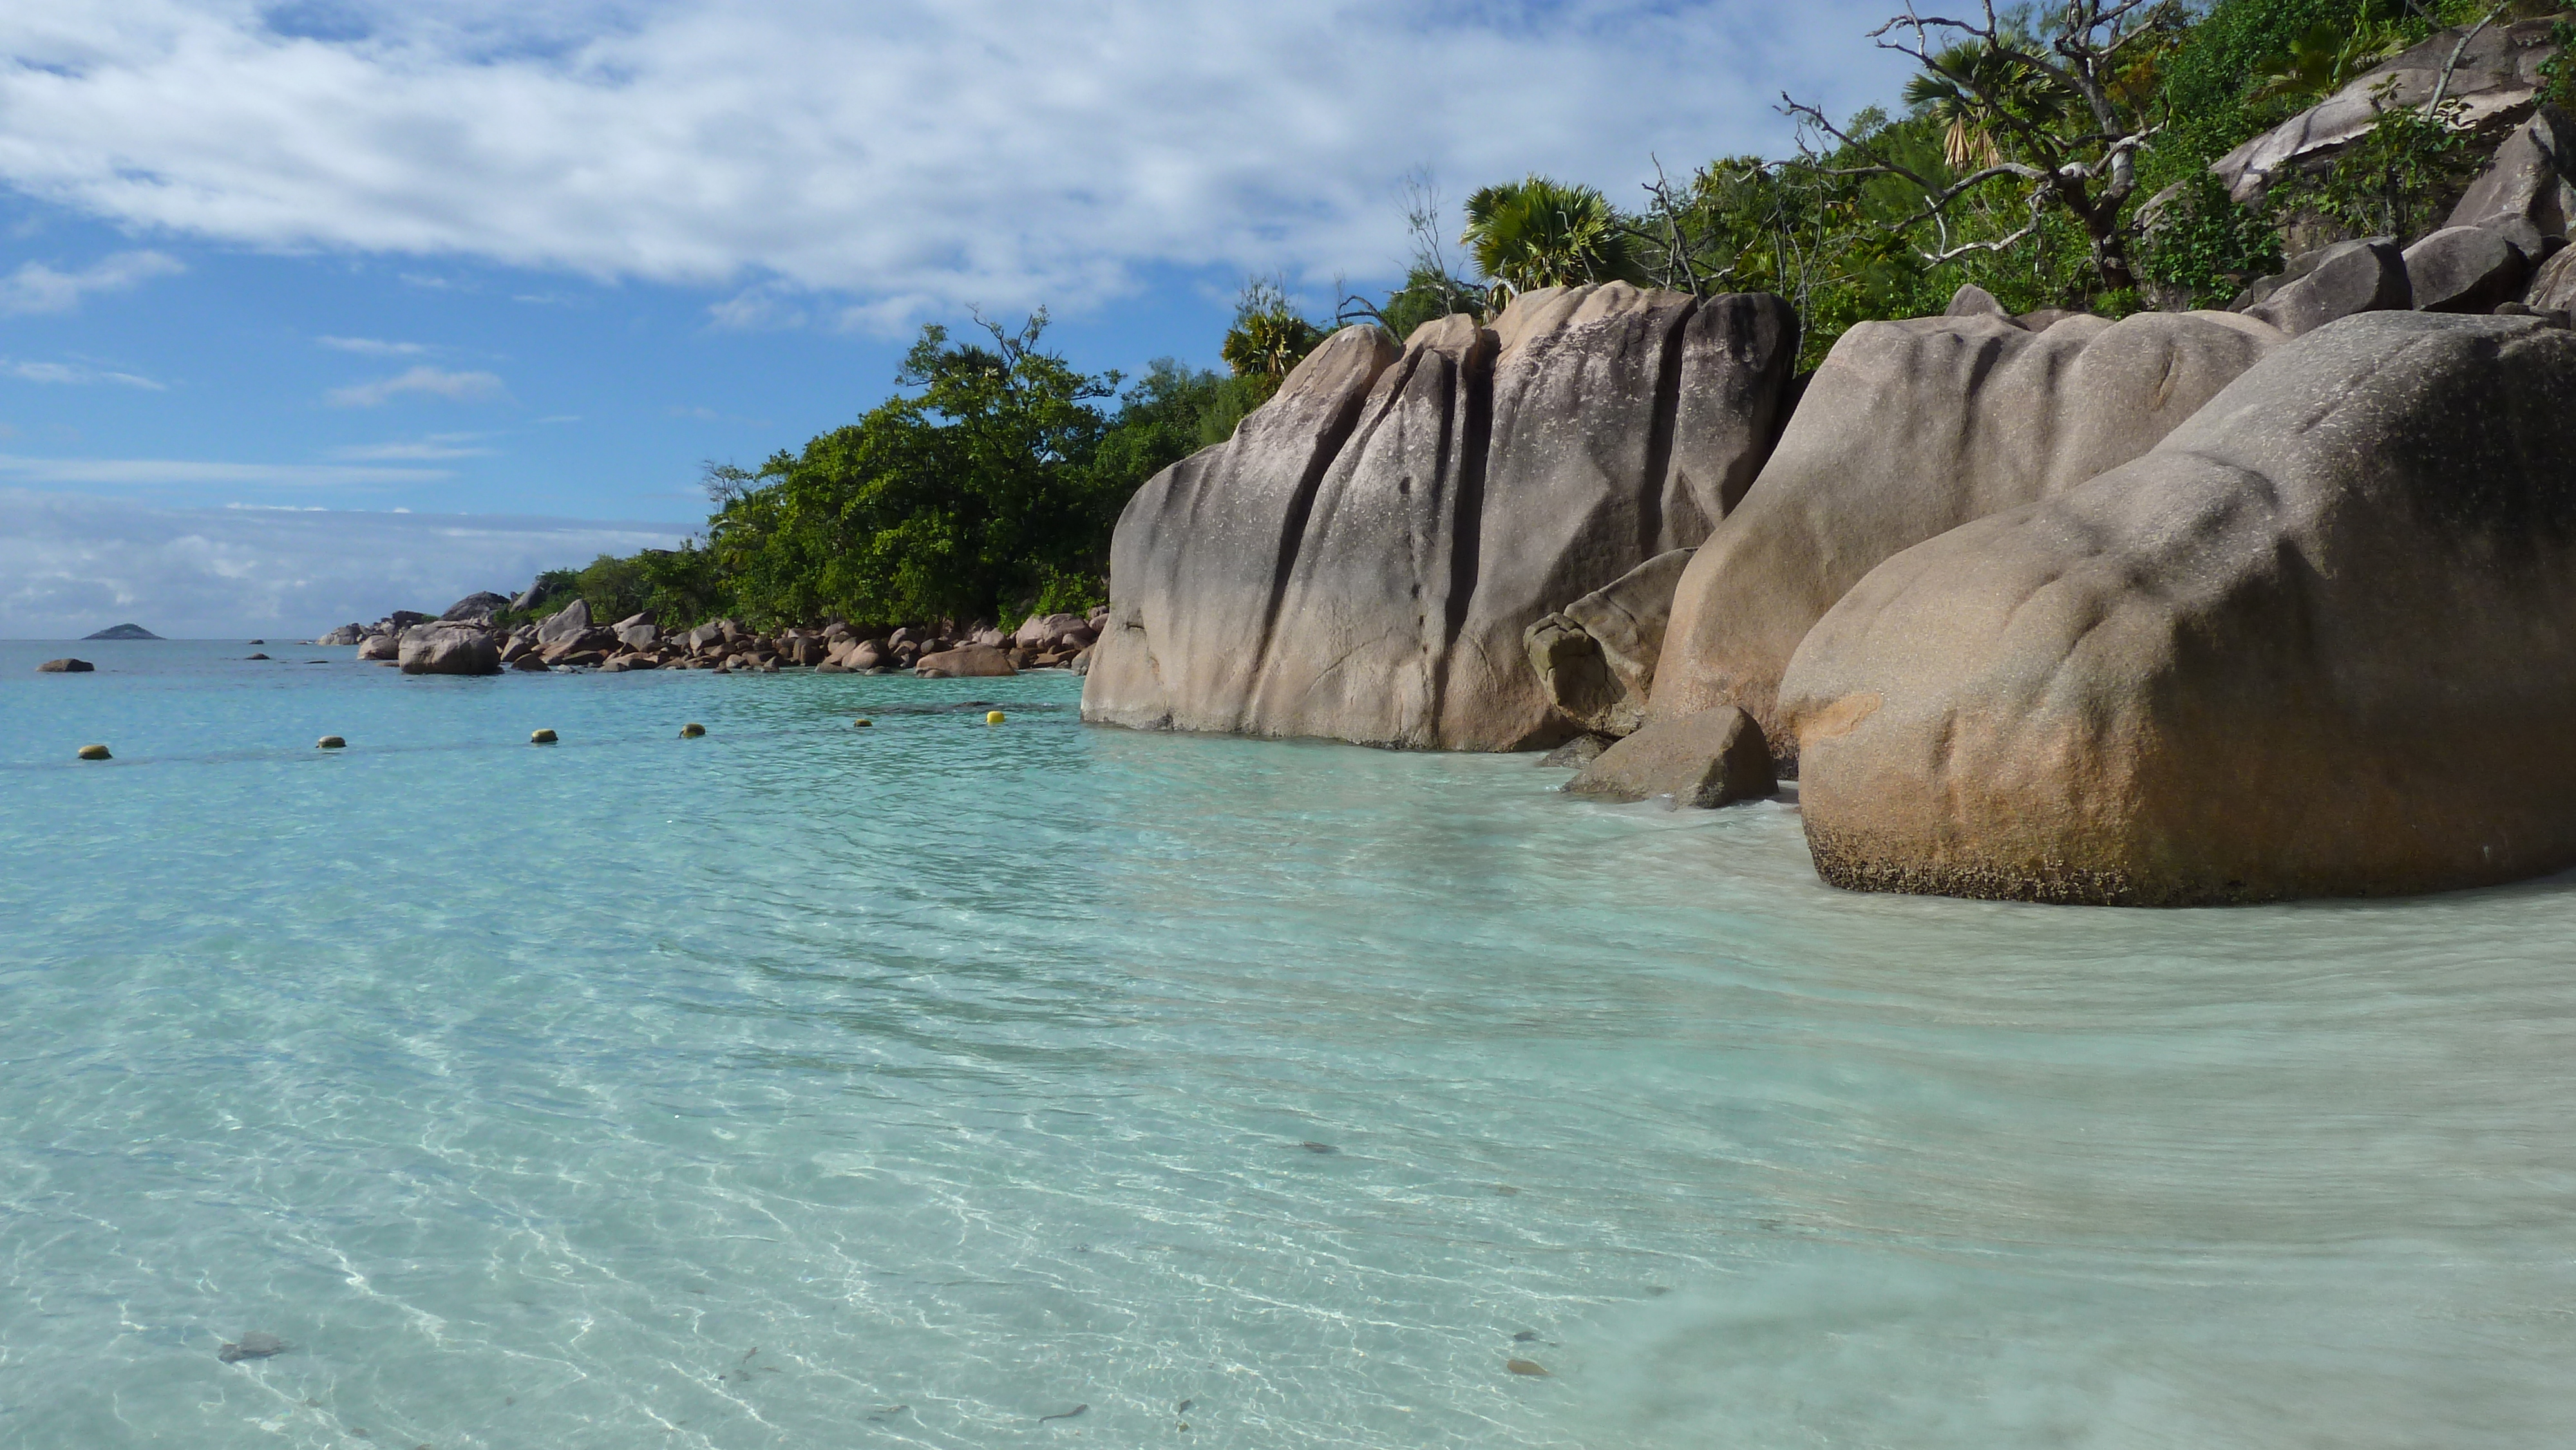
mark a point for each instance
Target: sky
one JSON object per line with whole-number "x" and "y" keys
{"x": 314, "y": 310}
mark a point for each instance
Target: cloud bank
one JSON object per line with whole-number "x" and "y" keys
{"x": 427, "y": 381}
{"x": 35, "y": 287}
{"x": 888, "y": 157}
{"x": 70, "y": 565}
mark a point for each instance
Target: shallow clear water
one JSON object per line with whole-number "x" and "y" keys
{"x": 735, "y": 1092}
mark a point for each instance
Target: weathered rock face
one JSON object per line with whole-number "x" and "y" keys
{"x": 1711, "y": 759}
{"x": 2527, "y": 180}
{"x": 967, "y": 661}
{"x": 2498, "y": 73}
{"x": 2320, "y": 641}
{"x": 2554, "y": 288}
{"x": 66, "y": 667}
{"x": 380, "y": 647}
{"x": 1908, "y": 430}
{"x": 434, "y": 651}
{"x": 1595, "y": 658}
{"x": 345, "y": 634}
{"x": 1361, "y": 560}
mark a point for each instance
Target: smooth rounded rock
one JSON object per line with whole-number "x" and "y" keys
{"x": 541, "y": 737}
{"x": 331, "y": 742}
{"x": 94, "y": 752}
{"x": 692, "y": 730}
{"x": 65, "y": 667}
{"x": 2321, "y": 641}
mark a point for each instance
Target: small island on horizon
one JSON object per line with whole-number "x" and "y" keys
{"x": 121, "y": 631}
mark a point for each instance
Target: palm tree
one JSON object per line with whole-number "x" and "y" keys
{"x": 1540, "y": 233}
{"x": 1269, "y": 343}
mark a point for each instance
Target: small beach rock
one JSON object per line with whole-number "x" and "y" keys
{"x": 330, "y": 742}
{"x": 1707, "y": 759}
{"x": 254, "y": 657}
{"x": 1578, "y": 752}
{"x": 94, "y": 752}
{"x": 65, "y": 667}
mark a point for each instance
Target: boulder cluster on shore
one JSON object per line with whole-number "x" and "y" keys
{"x": 466, "y": 641}
{"x": 2184, "y": 608}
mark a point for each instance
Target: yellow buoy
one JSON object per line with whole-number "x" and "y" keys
{"x": 94, "y": 752}
{"x": 861, "y": 724}
{"x": 692, "y": 730}
{"x": 331, "y": 742}
{"x": 992, "y": 717}
{"x": 541, "y": 737}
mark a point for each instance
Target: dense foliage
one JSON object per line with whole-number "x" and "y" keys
{"x": 2055, "y": 154}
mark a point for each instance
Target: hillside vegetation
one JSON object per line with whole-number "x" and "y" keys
{"x": 2055, "y": 155}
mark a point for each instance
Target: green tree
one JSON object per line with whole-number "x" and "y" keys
{"x": 1269, "y": 336}
{"x": 973, "y": 497}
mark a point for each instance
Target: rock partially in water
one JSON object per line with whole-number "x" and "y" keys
{"x": 65, "y": 667}
{"x": 1525, "y": 1366}
{"x": 438, "y": 651}
{"x": 1705, "y": 760}
{"x": 967, "y": 661}
{"x": 1578, "y": 752}
{"x": 257, "y": 1344}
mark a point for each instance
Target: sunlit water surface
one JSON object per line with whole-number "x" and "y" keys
{"x": 812, "y": 1086}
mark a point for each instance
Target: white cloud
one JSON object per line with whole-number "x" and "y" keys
{"x": 69, "y": 565}
{"x": 146, "y": 472}
{"x": 35, "y": 287}
{"x": 434, "y": 382}
{"x": 373, "y": 347}
{"x": 895, "y": 156}
{"x": 435, "y": 446}
{"x": 48, "y": 372}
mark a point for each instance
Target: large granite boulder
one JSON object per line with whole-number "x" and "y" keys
{"x": 66, "y": 667}
{"x": 380, "y": 647}
{"x": 2497, "y": 74}
{"x": 2321, "y": 641}
{"x": 2367, "y": 274}
{"x": 967, "y": 661}
{"x": 2465, "y": 269}
{"x": 1595, "y": 658}
{"x": 564, "y": 627}
{"x": 430, "y": 650}
{"x": 1361, "y": 560}
{"x": 345, "y": 634}
{"x": 2527, "y": 180}
{"x": 1908, "y": 430}
{"x": 478, "y": 606}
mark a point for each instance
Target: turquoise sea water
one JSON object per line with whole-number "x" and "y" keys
{"x": 810, "y": 1086}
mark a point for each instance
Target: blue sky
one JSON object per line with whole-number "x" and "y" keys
{"x": 314, "y": 310}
